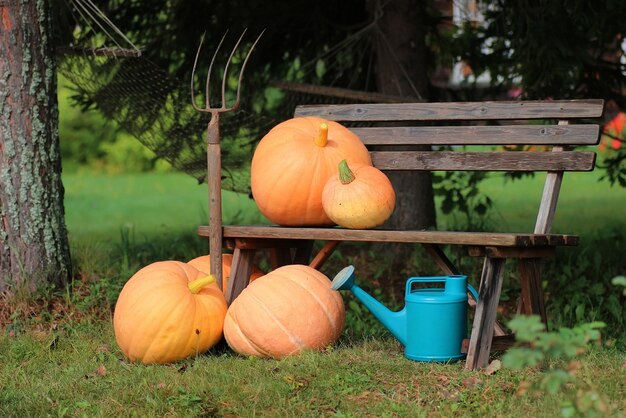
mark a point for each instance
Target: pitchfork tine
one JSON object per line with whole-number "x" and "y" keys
{"x": 193, "y": 73}
{"x": 230, "y": 57}
{"x": 208, "y": 77}
{"x": 207, "y": 100}
{"x": 243, "y": 67}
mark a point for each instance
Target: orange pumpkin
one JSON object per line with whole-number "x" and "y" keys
{"x": 288, "y": 310}
{"x": 168, "y": 311}
{"x": 360, "y": 196}
{"x": 203, "y": 263}
{"x": 291, "y": 164}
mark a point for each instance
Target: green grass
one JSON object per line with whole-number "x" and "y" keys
{"x": 98, "y": 206}
{"x": 77, "y": 370}
{"x": 61, "y": 358}
{"x": 586, "y": 206}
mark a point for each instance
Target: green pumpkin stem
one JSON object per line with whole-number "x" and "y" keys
{"x": 196, "y": 285}
{"x": 346, "y": 176}
{"x": 322, "y": 135}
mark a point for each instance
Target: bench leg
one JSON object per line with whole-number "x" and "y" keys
{"x": 324, "y": 254}
{"x": 280, "y": 256}
{"x": 532, "y": 293}
{"x": 449, "y": 268}
{"x": 303, "y": 252}
{"x": 485, "y": 315}
{"x": 239, "y": 273}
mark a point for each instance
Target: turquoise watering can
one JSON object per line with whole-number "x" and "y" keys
{"x": 433, "y": 322}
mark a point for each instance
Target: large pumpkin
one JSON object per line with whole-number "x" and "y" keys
{"x": 360, "y": 196}
{"x": 291, "y": 164}
{"x": 168, "y": 311}
{"x": 290, "y": 309}
{"x": 203, "y": 263}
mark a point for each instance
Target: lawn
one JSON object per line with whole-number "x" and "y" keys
{"x": 98, "y": 206}
{"x": 77, "y": 370}
{"x": 62, "y": 359}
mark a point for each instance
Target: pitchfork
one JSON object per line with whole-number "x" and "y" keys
{"x": 214, "y": 161}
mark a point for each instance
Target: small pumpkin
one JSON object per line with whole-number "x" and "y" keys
{"x": 203, "y": 263}
{"x": 359, "y": 197}
{"x": 168, "y": 311}
{"x": 291, "y": 164}
{"x": 290, "y": 309}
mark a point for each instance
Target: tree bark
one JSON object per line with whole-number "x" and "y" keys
{"x": 34, "y": 250}
{"x": 402, "y": 69}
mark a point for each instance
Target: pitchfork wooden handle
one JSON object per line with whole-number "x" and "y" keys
{"x": 214, "y": 163}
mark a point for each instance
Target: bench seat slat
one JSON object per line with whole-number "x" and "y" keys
{"x": 379, "y": 235}
{"x": 483, "y": 161}
{"x": 481, "y": 135}
{"x": 554, "y": 109}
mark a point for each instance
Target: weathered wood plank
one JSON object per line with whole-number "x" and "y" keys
{"x": 483, "y": 161}
{"x": 556, "y": 109}
{"x": 280, "y": 256}
{"x": 302, "y": 253}
{"x": 498, "y": 343}
{"x": 485, "y": 315}
{"x": 532, "y": 293}
{"x": 240, "y": 271}
{"x": 480, "y": 135}
{"x": 448, "y": 267}
{"x": 380, "y": 235}
{"x": 258, "y": 243}
{"x": 511, "y": 252}
{"x": 337, "y": 92}
{"x": 444, "y": 263}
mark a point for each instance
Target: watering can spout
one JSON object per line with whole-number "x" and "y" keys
{"x": 395, "y": 322}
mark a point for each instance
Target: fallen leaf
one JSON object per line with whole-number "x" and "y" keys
{"x": 101, "y": 371}
{"x": 472, "y": 382}
{"x": 443, "y": 379}
{"x": 493, "y": 367}
{"x": 522, "y": 388}
{"x": 573, "y": 366}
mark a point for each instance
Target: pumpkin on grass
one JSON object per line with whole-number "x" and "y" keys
{"x": 291, "y": 164}
{"x": 168, "y": 311}
{"x": 203, "y": 263}
{"x": 359, "y": 197}
{"x": 290, "y": 309}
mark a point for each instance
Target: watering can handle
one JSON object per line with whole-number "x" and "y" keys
{"x": 412, "y": 280}
{"x": 472, "y": 291}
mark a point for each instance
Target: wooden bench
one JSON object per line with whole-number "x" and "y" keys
{"x": 480, "y": 124}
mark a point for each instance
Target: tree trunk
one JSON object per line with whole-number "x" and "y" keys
{"x": 402, "y": 70}
{"x": 34, "y": 250}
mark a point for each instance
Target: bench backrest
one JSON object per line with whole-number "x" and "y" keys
{"x": 502, "y": 123}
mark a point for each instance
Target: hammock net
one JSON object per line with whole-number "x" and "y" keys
{"x": 151, "y": 105}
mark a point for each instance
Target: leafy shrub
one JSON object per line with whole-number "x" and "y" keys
{"x": 555, "y": 352}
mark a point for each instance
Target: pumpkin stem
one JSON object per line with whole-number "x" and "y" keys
{"x": 345, "y": 174}
{"x": 196, "y": 285}
{"x": 322, "y": 135}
